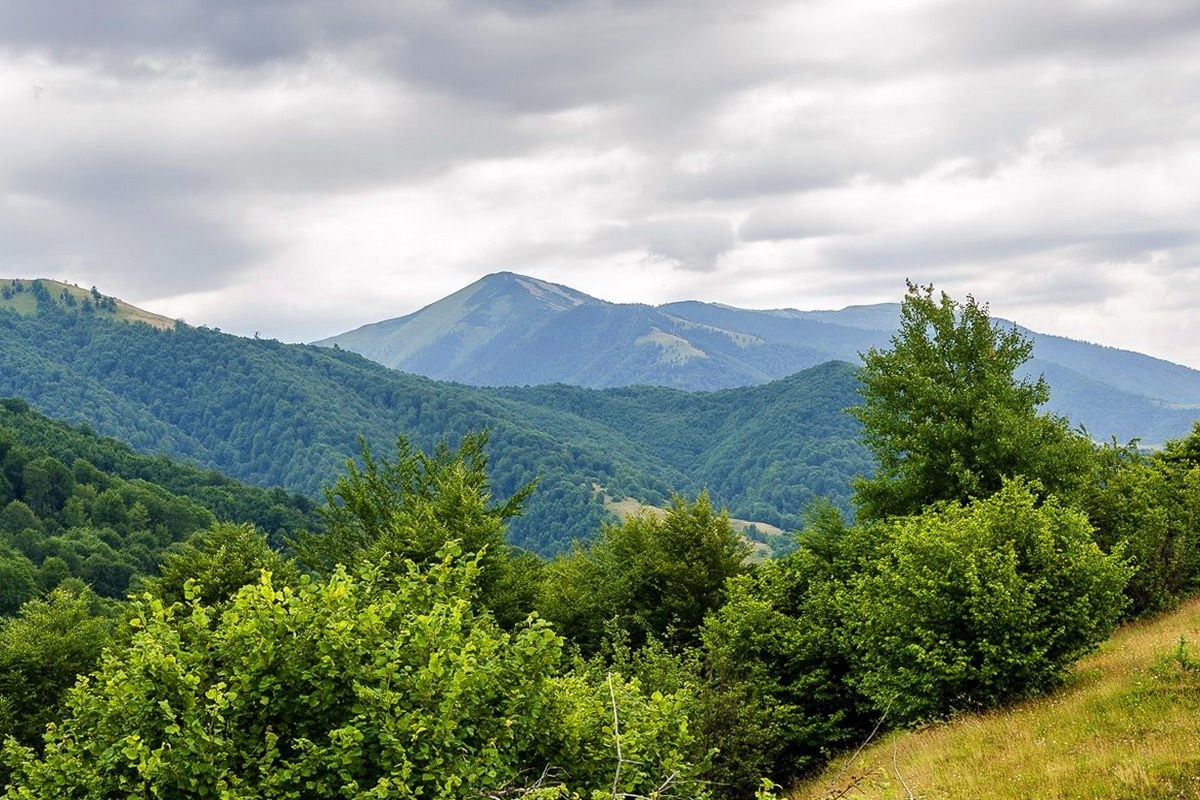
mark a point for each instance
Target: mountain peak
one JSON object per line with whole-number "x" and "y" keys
{"x": 435, "y": 340}
{"x": 554, "y": 296}
{"x": 512, "y": 329}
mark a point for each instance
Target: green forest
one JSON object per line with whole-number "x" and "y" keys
{"x": 393, "y": 641}
{"x": 275, "y": 414}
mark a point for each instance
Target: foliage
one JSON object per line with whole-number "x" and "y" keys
{"x": 42, "y": 650}
{"x": 1148, "y": 509}
{"x": 1184, "y": 452}
{"x": 650, "y": 577}
{"x": 85, "y": 507}
{"x": 383, "y": 684}
{"x": 18, "y": 580}
{"x": 946, "y": 417}
{"x": 212, "y": 565}
{"x": 408, "y": 509}
{"x": 971, "y": 606}
{"x": 26, "y": 436}
{"x": 777, "y": 700}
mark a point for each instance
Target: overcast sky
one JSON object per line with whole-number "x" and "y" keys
{"x": 299, "y": 168}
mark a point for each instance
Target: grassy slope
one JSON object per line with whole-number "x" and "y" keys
{"x": 25, "y": 303}
{"x": 1126, "y": 725}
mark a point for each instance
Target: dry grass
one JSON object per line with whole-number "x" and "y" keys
{"x": 1126, "y": 726}
{"x": 25, "y": 303}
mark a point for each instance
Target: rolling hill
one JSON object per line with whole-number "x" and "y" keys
{"x": 513, "y": 330}
{"x": 290, "y": 415}
{"x": 24, "y": 296}
{"x": 74, "y": 504}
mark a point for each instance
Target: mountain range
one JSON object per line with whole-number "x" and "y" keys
{"x": 276, "y": 414}
{"x": 507, "y": 329}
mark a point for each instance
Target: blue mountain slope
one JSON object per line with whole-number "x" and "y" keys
{"x": 507, "y": 329}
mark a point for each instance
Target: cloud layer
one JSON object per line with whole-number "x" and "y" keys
{"x": 353, "y": 161}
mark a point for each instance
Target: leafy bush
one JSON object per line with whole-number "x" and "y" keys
{"x": 971, "y": 606}
{"x": 42, "y": 650}
{"x": 777, "y": 701}
{"x": 1148, "y": 509}
{"x": 383, "y": 684}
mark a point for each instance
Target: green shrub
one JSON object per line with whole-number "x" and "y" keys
{"x": 971, "y": 606}
{"x": 388, "y": 683}
{"x": 1149, "y": 510}
{"x": 650, "y": 577}
{"x": 777, "y": 701}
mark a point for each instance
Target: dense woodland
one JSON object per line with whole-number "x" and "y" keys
{"x": 76, "y": 505}
{"x": 400, "y": 647}
{"x": 289, "y": 415}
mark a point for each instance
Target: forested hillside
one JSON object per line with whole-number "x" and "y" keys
{"x": 290, "y": 415}
{"x": 405, "y": 651}
{"x": 75, "y": 505}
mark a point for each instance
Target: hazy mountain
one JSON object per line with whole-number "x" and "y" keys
{"x": 508, "y": 329}
{"x": 290, "y": 415}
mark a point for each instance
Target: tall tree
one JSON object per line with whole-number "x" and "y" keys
{"x": 947, "y": 417}
{"x": 411, "y": 507}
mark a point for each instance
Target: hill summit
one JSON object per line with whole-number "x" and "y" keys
{"x": 26, "y": 296}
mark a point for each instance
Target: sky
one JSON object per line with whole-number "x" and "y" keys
{"x": 297, "y": 168}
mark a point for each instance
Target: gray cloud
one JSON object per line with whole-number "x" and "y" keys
{"x": 1024, "y": 28}
{"x": 193, "y": 147}
{"x": 690, "y": 243}
{"x": 778, "y": 221}
{"x": 924, "y": 251}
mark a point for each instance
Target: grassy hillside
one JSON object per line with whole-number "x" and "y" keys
{"x": 1125, "y": 727}
{"x": 290, "y": 415}
{"x": 23, "y": 297}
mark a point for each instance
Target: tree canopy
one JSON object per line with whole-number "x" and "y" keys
{"x": 947, "y": 417}
{"x": 650, "y": 577}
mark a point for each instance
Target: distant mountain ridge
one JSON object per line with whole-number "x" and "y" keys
{"x": 513, "y": 330}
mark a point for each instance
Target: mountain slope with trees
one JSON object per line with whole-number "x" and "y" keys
{"x": 397, "y": 656}
{"x": 75, "y": 505}
{"x": 291, "y": 415}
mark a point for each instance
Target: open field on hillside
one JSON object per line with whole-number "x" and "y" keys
{"x": 1126, "y": 726}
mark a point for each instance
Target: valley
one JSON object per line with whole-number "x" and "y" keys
{"x": 906, "y": 540}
